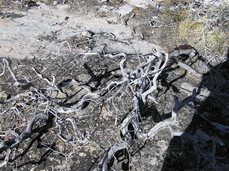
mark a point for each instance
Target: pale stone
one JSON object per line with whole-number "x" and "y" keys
{"x": 82, "y": 154}
{"x": 24, "y": 34}
{"x": 55, "y": 2}
{"x": 86, "y": 34}
{"x": 125, "y": 9}
{"x": 6, "y": 49}
{"x": 138, "y": 3}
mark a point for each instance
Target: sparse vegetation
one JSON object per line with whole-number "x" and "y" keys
{"x": 177, "y": 15}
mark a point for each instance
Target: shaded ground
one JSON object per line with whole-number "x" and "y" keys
{"x": 202, "y": 146}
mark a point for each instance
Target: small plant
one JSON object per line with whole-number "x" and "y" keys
{"x": 198, "y": 34}
{"x": 177, "y": 14}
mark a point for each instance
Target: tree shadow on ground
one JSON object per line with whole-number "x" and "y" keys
{"x": 205, "y": 145}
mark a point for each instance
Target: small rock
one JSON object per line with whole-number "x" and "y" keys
{"x": 82, "y": 154}
{"x": 86, "y": 34}
{"x": 55, "y": 2}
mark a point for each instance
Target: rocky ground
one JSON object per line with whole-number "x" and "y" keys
{"x": 49, "y": 43}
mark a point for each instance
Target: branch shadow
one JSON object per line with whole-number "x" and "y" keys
{"x": 40, "y": 131}
{"x": 98, "y": 78}
{"x": 122, "y": 159}
{"x": 203, "y": 145}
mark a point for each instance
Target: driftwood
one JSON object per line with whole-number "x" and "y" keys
{"x": 139, "y": 83}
